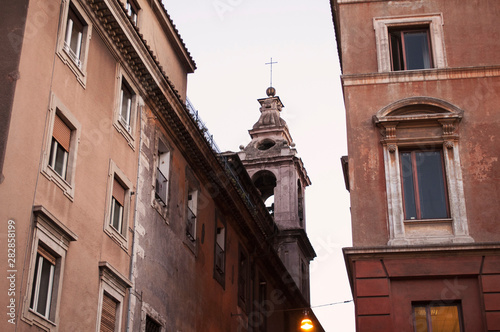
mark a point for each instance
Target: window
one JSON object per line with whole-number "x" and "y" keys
{"x": 265, "y": 182}
{"x": 409, "y": 42}
{"x": 59, "y": 152}
{"x": 423, "y": 174}
{"x": 220, "y": 249}
{"x": 61, "y": 147}
{"x": 162, "y": 173}
{"x": 43, "y": 282}
{"x": 126, "y": 95}
{"x": 74, "y": 36}
{"x": 424, "y": 185}
{"x": 243, "y": 284}
{"x": 74, "y": 39}
{"x": 132, "y": 10}
{"x": 151, "y": 320}
{"x": 117, "y": 203}
{"x": 126, "y": 107}
{"x": 108, "y": 314}
{"x": 118, "y": 206}
{"x": 192, "y": 202}
{"x": 304, "y": 279}
{"x": 300, "y": 203}
{"x": 410, "y": 49}
{"x": 262, "y": 300}
{"x": 437, "y": 318}
{"x": 112, "y": 292}
{"x": 152, "y": 325}
{"x": 51, "y": 241}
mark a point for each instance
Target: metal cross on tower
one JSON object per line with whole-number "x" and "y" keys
{"x": 271, "y": 63}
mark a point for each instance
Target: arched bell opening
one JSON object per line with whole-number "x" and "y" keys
{"x": 265, "y": 182}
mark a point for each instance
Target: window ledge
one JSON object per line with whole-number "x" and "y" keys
{"x": 160, "y": 208}
{"x": 191, "y": 245}
{"x": 117, "y": 237}
{"x": 64, "y": 185}
{"x": 81, "y": 76}
{"x": 33, "y": 318}
{"x": 431, "y": 74}
{"x": 428, "y": 221}
{"x": 125, "y": 133}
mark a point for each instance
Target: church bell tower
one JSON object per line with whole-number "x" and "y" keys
{"x": 272, "y": 163}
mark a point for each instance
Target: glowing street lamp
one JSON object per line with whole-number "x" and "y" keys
{"x": 306, "y": 324}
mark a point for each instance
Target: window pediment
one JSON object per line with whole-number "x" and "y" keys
{"x": 418, "y": 118}
{"x": 418, "y": 107}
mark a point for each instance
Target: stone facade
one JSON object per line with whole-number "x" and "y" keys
{"x": 397, "y": 113}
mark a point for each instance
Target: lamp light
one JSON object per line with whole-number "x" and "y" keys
{"x": 306, "y": 324}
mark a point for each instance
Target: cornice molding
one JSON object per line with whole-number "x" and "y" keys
{"x": 472, "y": 248}
{"x": 420, "y": 75}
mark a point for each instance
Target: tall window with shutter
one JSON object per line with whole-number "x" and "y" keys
{"x": 108, "y": 314}
{"x": 59, "y": 151}
{"x": 117, "y": 204}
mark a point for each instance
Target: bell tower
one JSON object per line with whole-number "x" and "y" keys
{"x": 272, "y": 163}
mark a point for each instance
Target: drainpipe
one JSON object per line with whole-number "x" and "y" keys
{"x": 132, "y": 257}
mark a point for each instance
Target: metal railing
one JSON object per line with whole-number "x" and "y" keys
{"x": 210, "y": 139}
{"x": 161, "y": 187}
{"x": 72, "y": 55}
{"x": 219, "y": 258}
{"x": 190, "y": 224}
{"x": 201, "y": 125}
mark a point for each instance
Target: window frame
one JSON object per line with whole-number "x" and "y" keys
{"x": 43, "y": 258}
{"x": 403, "y": 62}
{"x": 127, "y": 130}
{"x": 436, "y": 122}
{"x": 148, "y": 311}
{"x": 54, "y": 237}
{"x": 163, "y": 155}
{"x": 114, "y": 285}
{"x": 134, "y": 8}
{"x": 434, "y": 22}
{"x": 243, "y": 292}
{"x": 416, "y": 184}
{"x": 192, "y": 208}
{"x": 429, "y": 305}
{"x": 119, "y": 236}
{"x": 56, "y": 149}
{"x": 220, "y": 272}
{"x": 66, "y": 184}
{"x": 80, "y": 70}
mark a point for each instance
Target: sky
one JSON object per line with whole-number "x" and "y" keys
{"x": 231, "y": 41}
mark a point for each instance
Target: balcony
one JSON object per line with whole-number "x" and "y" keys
{"x": 191, "y": 225}
{"x": 219, "y": 259}
{"x": 161, "y": 187}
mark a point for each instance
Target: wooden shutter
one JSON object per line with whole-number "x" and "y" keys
{"x": 45, "y": 254}
{"x": 61, "y": 133}
{"x": 108, "y": 315}
{"x": 118, "y": 192}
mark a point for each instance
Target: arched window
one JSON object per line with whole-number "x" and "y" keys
{"x": 265, "y": 182}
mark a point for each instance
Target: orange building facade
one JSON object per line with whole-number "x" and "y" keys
{"x": 420, "y": 82}
{"x": 117, "y": 211}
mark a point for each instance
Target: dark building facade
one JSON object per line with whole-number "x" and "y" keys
{"x": 420, "y": 82}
